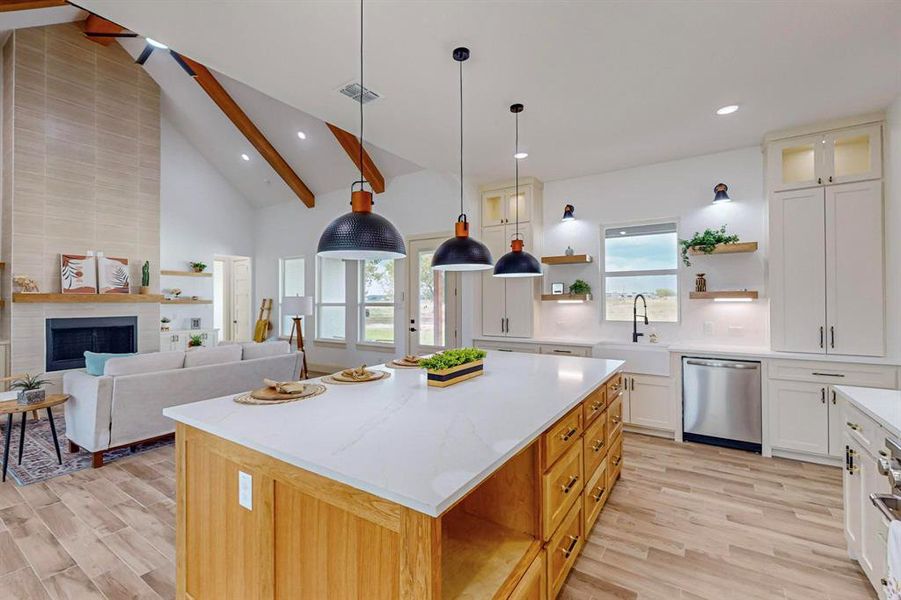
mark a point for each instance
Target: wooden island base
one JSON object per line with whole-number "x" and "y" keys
{"x": 514, "y": 536}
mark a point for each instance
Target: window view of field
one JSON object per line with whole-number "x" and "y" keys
{"x": 378, "y": 301}
{"x": 641, "y": 260}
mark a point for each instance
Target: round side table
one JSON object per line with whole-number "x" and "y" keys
{"x": 11, "y": 408}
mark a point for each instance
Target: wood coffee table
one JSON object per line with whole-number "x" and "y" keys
{"x": 10, "y": 408}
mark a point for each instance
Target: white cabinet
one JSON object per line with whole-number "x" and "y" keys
{"x": 839, "y": 156}
{"x": 178, "y": 340}
{"x": 799, "y": 416}
{"x": 648, "y": 401}
{"x": 852, "y": 498}
{"x": 826, "y": 270}
{"x": 499, "y": 206}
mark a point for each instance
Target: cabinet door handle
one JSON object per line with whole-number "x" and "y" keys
{"x": 833, "y": 397}
{"x": 567, "y": 552}
{"x": 573, "y": 480}
{"x": 823, "y": 395}
{"x": 568, "y": 434}
{"x": 633, "y": 384}
{"x": 595, "y": 406}
{"x": 507, "y": 323}
{"x": 831, "y": 336}
{"x": 830, "y": 179}
{"x": 502, "y": 324}
{"x": 597, "y": 497}
{"x": 819, "y": 180}
{"x": 821, "y": 336}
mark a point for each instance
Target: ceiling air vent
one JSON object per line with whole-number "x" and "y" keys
{"x": 352, "y": 91}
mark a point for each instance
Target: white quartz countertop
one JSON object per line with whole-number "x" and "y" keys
{"x": 421, "y": 447}
{"x": 764, "y": 352}
{"x": 884, "y": 406}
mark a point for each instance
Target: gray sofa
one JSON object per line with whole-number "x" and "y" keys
{"x": 125, "y": 405}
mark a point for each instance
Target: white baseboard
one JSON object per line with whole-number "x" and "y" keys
{"x": 661, "y": 433}
{"x": 805, "y": 457}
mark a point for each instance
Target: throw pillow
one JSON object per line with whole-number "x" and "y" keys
{"x": 95, "y": 362}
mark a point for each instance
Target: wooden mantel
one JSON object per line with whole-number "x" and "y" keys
{"x": 54, "y": 298}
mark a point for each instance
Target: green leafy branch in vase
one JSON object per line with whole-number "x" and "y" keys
{"x": 706, "y": 242}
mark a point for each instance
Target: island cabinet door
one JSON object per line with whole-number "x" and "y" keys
{"x": 533, "y": 585}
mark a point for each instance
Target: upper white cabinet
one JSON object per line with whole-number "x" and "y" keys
{"x": 499, "y": 206}
{"x": 840, "y": 156}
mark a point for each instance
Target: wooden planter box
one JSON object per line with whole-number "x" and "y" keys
{"x": 446, "y": 377}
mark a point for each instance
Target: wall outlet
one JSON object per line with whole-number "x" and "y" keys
{"x": 708, "y": 327}
{"x": 245, "y": 490}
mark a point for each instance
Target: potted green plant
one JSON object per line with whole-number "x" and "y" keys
{"x": 145, "y": 278}
{"x": 164, "y": 323}
{"x": 30, "y": 391}
{"x": 453, "y": 366}
{"x": 579, "y": 287}
{"x": 195, "y": 341}
{"x": 706, "y": 242}
{"x": 198, "y": 267}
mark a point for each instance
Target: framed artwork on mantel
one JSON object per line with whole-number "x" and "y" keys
{"x": 78, "y": 274}
{"x": 112, "y": 275}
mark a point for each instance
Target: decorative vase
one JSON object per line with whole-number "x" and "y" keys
{"x": 27, "y": 397}
{"x": 700, "y": 283}
{"x": 144, "y": 289}
{"x": 446, "y": 377}
{"x": 570, "y": 251}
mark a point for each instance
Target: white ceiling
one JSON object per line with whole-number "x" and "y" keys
{"x": 605, "y": 84}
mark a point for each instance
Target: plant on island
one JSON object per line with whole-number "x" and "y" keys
{"x": 452, "y": 358}
{"x": 579, "y": 287}
{"x": 706, "y": 242}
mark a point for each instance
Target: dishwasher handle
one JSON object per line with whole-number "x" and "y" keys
{"x": 721, "y": 365}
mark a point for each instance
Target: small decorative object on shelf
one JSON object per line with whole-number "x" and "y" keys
{"x": 579, "y": 287}
{"x": 195, "y": 323}
{"x": 569, "y": 251}
{"x": 700, "y": 283}
{"x": 453, "y": 366}
{"x": 30, "y": 391}
{"x": 706, "y": 242}
{"x": 195, "y": 341}
{"x": 78, "y": 273}
{"x": 164, "y": 323}
{"x": 557, "y": 289}
{"x": 175, "y": 292}
{"x": 198, "y": 267}
{"x": 25, "y": 285}
{"x": 145, "y": 278}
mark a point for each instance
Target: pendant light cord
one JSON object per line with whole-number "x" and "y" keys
{"x": 362, "y": 91}
{"x": 462, "y": 213}
{"x": 516, "y": 176}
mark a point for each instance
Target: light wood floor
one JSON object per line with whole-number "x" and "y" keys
{"x": 685, "y": 521}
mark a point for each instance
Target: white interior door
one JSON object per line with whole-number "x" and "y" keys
{"x": 854, "y": 269}
{"x": 798, "y": 271}
{"x": 434, "y": 321}
{"x": 241, "y": 300}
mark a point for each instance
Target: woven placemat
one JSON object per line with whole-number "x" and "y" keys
{"x": 399, "y": 363}
{"x": 331, "y": 378}
{"x": 311, "y": 390}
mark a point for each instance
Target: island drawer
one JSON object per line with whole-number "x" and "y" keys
{"x": 614, "y": 387}
{"x": 614, "y": 461}
{"x": 560, "y": 489}
{"x": 595, "y": 496}
{"x": 615, "y": 418}
{"x": 563, "y": 549}
{"x": 594, "y": 404}
{"x": 533, "y": 585}
{"x": 562, "y": 436}
{"x": 594, "y": 445}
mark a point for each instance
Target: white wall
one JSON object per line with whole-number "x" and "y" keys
{"x": 681, "y": 189}
{"x": 425, "y": 202}
{"x": 201, "y": 215}
{"x": 892, "y": 176}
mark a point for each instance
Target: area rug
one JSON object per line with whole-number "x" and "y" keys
{"x": 39, "y": 458}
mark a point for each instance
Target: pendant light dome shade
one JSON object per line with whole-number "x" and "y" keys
{"x": 461, "y": 252}
{"x": 361, "y": 234}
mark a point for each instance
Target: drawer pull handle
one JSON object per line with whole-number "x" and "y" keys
{"x": 568, "y": 435}
{"x": 563, "y": 351}
{"x": 573, "y": 480}
{"x": 853, "y": 426}
{"x": 617, "y": 419}
{"x": 598, "y": 444}
{"x": 883, "y": 453}
{"x": 597, "y": 497}
{"x": 827, "y": 374}
{"x": 573, "y": 541}
{"x": 617, "y": 460}
{"x": 596, "y": 406}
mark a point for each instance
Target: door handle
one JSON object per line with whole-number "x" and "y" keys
{"x": 507, "y": 320}
{"x": 823, "y": 395}
{"x": 833, "y": 397}
{"x": 821, "y": 336}
{"x": 832, "y": 336}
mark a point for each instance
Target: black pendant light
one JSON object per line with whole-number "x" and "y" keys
{"x": 517, "y": 262}
{"x": 461, "y": 252}
{"x": 361, "y": 234}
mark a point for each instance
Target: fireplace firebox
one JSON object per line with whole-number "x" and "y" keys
{"x": 67, "y": 339}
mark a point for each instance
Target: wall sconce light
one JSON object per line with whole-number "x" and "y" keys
{"x": 568, "y": 213}
{"x": 720, "y": 193}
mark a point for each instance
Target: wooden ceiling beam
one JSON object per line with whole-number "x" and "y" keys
{"x": 11, "y": 5}
{"x": 351, "y": 145}
{"x": 224, "y": 101}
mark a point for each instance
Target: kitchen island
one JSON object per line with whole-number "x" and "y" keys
{"x": 392, "y": 489}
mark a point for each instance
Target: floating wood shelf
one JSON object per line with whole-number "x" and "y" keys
{"x": 728, "y": 248}
{"x": 575, "y": 259}
{"x": 727, "y": 295}
{"x": 2, "y": 264}
{"x": 566, "y": 297}
{"x": 186, "y": 273}
{"x": 52, "y": 298}
{"x": 185, "y": 301}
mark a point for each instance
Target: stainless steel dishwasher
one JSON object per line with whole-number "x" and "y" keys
{"x": 721, "y": 402}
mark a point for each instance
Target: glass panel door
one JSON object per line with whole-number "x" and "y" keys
{"x": 493, "y": 209}
{"x": 854, "y": 154}
{"x": 433, "y": 315}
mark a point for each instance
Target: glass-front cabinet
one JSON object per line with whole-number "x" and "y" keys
{"x": 499, "y": 206}
{"x": 841, "y": 156}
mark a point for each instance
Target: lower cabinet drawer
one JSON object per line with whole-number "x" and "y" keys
{"x": 595, "y": 496}
{"x": 563, "y": 549}
{"x": 614, "y": 461}
{"x": 560, "y": 489}
{"x": 564, "y": 434}
{"x": 594, "y": 405}
{"x": 615, "y": 417}
{"x": 565, "y": 350}
{"x": 594, "y": 444}
{"x": 614, "y": 386}
{"x": 533, "y": 585}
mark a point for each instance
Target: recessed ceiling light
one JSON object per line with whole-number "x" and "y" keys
{"x": 301, "y": 135}
{"x": 156, "y": 44}
{"x": 245, "y": 157}
{"x": 520, "y": 155}
{"x": 727, "y": 110}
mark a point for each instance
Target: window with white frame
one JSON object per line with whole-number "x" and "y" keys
{"x": 290, "y": 283}
{"x": 641, "y": 259}
{"x": 331, "y": 299}
{"x": 376, "y": 301}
